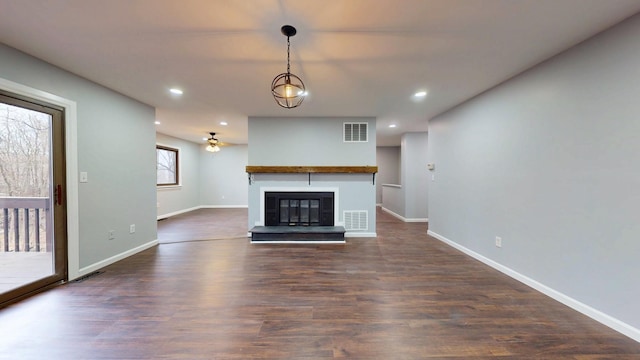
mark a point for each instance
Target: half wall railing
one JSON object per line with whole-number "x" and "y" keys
{"x": 24, "y": 224}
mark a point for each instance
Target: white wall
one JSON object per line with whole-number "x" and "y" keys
{"x": 409, "y": 201}
{"x": 415, "y": 176}
{"x": 313, "y": 141}
{"x": 388, "y": 161}
{"x": 115, "y": 146}
{"x": 176, "y": 199}
{"x": 393, "y": 200}
{"x": 549, "y": 162}
{"x": 223, "y": 177}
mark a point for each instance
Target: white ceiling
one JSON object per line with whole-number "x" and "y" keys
{"x": 356, "y": 57}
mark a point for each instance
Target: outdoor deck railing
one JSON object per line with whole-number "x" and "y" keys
{"x": 23, "y": 224}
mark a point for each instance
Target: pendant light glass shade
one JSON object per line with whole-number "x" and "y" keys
{"x": 213, "y": 148}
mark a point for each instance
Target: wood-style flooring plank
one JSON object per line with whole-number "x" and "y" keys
{"x": 402, "y": 295}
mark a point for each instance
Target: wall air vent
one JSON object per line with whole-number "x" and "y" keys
{"x": 355, "y": 132}
{"x": 356, "y": 220}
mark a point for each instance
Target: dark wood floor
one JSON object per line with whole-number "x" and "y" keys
{"x": 204, "y": 224}
{"x": 402, "y": 295}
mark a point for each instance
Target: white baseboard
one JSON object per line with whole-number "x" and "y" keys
{"x": 404, "y": 219}
{"x": 168, "y": 215}
{"x": 360, "y": 234}
{"x": 223, "y": 206}
{"x": 597, "y": 315}
{"x": 100, "y": 264}
{"x": 297, "y": 242}
{"x": 164, "y": 216}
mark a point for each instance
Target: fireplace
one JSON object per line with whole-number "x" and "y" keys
{"x": 299, "y": 208}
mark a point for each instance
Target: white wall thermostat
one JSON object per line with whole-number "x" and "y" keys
{"x": 431, "y": 166}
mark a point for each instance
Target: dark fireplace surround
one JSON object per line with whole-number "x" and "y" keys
{"x": 299, "y": 208}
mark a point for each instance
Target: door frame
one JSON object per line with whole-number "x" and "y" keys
{"x": 71, "y": 157}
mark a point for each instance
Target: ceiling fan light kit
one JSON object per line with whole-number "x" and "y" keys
{"x": 213, "y": 143}
{"x": 288, "y": 89}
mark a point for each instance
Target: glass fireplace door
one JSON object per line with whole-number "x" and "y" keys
{"x": 300, "y": 212}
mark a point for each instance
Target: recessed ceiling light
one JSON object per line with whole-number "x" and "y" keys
{"x": 223, "y": 123}
{"x": 392, "y": 125}
{"x": 157, "y": 122}
{"x": 176, "y": 91}
{"x": 420, "y": 94}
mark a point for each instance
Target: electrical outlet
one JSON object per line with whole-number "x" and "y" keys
{"x": 112, "y": 234}
{"x": 132, "y": 228}
{"x": 498, "y": 241}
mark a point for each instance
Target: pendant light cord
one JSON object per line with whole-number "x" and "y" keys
{"x": 288, "y": 46}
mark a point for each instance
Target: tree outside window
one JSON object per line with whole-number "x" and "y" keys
{"x": 167, "y": 166}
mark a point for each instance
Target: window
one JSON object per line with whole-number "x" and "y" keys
{"x": 167, "y": 166}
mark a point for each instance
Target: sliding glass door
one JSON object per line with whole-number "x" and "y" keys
{"x": 33, "y": 245}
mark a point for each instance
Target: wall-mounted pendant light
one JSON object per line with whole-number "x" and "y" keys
{"x": 288, "y": 89}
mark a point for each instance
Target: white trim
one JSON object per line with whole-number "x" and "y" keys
{"x": 346, "y": 235}
{"x": 164, "y": 216}
{"x": 404, "y": 219}
{"x": 178, "y": 212}
{"x": 587, "y": 310}
{"x": 168, "y": 187}
{"x": 297, "y": 242}
{"x": 360, "y": 234}
{"x": 397, "y": 216}
{"x": 334, "y": 190}
{"x": 224, "y": 206}
{"x": 100, "y": 264}
{"x": 71, "y": 154}
{"x": 418, "y": 220}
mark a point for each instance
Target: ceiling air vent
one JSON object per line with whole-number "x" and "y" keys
{"x": 356, "y": 220}
{"x": 355, "y": 132}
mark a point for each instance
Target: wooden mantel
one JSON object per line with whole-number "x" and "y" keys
{"x": 312, "y": 170}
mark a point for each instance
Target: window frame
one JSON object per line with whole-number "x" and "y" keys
{"x": 177, "y": 176}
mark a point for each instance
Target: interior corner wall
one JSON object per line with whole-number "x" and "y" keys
{"x": 414, "y": 175}
{"x": 549, "y": 162}
{"x": 177, "y": 199}
{"x": 223, "y": 177}
{"x": 388, "y": 161}
{"x": 115, "y": 146}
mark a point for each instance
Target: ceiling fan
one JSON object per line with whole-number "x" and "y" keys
{"x": 214, "y": 144}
